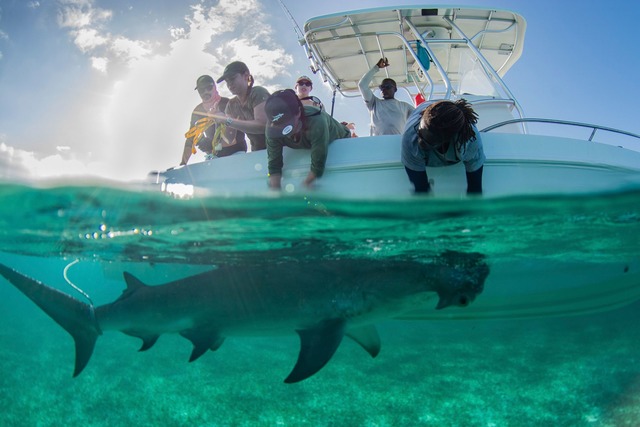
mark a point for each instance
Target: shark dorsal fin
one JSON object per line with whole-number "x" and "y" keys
{"x": 133, "y": 284}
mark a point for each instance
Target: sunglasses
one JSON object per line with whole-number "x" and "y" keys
{"x": 305, "y": 83}
{"x": 386, "y": 86}
{"x": 207, "y": 88}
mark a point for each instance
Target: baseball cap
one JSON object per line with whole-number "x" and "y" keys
{"x": 282, "y": 108}
{"x": 303, "y": 78}
{"x": 236, "y": 67}
{"x": 203, "y": 81}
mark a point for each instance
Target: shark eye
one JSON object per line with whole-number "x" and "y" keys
{"x": 463, "y": 301}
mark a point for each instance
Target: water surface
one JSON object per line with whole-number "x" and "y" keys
{"x": 518, "y": 359}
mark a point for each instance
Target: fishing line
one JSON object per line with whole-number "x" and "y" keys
{"x": 64, "y": 274}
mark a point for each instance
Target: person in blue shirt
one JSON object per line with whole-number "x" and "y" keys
{"x": 443, "y": 133}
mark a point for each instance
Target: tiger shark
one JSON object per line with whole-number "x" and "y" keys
{"x": 321, "y": 300}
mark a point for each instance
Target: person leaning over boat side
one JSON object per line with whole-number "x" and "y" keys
{"x": 212, "y": 102}
{"x": 303, "y": 88}
{"x": 295, "y": 125}
{"x": 245, "y": 111}
{"x": 388, "y": 115}
{"x": 441, "y": 134}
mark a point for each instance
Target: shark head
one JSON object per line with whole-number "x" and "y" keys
{"x": 463, "y": 281}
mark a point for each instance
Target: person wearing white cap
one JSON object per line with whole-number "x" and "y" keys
{"x": 304, "y": 86}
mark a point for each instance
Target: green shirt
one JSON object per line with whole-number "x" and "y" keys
{"x": 318, "y": 131}
{"x": 238, "y": 110}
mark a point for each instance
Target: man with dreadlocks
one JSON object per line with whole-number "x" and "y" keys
{"x": 245, "y": 111}
{"x": 291, "y": 124}
{"x": 441, "y": 134}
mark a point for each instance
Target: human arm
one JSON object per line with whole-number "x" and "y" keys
{"x": 275, "y": 162}
{"x": 275, "y": 180}
{"x": 365, "y": 81}
{"x": 255, "y": 126}
{"x": 188, "y": 143}
{"x": 419, "y": 180}
{"x": 474, "y": 159}
{"x": 474, "y": 181}
{"x": 320, "y": 136}
{"x": 249, "y": 125}
{"x": 311, "y": 177}
{"x": 412, "y": 157}
{"x": 186, "y": 153}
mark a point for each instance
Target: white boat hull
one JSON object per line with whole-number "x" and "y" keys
{"x": 370, "y": 168}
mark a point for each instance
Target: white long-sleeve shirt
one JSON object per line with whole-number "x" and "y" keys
{"x": 388, "y": 116}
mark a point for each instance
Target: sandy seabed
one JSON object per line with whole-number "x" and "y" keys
{"x": 580, "y": 371}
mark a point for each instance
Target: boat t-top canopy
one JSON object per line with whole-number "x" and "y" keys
{"x": 440, "y": 52}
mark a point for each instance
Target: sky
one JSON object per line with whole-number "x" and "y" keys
{"x": 105, "y": 87}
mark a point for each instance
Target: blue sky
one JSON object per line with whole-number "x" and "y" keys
{"x": 91, "y": 87}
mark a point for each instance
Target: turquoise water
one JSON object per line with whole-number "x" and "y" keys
{"x": 510, "y": 359}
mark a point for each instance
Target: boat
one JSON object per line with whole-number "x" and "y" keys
{"x": 446, "y": 53}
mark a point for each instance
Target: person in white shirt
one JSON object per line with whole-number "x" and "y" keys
{"x": 388, "y": 115}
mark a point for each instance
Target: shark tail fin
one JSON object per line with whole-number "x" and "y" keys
{"x": 76, "y": 317}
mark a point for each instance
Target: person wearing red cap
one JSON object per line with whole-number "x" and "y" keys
{"x": 211, "y": 103}
{"x": 291, "y": 124}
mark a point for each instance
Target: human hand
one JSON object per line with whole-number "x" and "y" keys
{"x": 274, "y": 181}
{"x": 383, "y": 62}
{"x": 311, "y": 177}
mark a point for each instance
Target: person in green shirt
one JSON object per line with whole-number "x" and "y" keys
{"x": 245, "y": 111}
{"x": 291, "y": 124}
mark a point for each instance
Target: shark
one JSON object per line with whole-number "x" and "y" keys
{"x": 321, "y": 300}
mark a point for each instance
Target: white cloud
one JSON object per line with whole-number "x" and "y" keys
{"x": 150, "y": 108}
{"x": 81, "y": 13}
{"x": 88, "y": 39}
{"x": 33, "y": 4}
{"x": 100, "y": 63}
{"x": 87, "y": 24}
{"x": 21, "y": 165}
{"x": 129, "y": 49}
{"x": 138, "y": 124}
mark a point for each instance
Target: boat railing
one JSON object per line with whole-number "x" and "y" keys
{"x": 594, "y": 128}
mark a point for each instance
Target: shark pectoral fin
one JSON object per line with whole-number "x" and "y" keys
{"x": 202, "y": 340}
{"x": 216, "y": 344}
{"x": 367, "y": 337}
{"x": 76, "y": 317}
{"x": 148, "y": 340}
{"x": 317, "y": 346}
